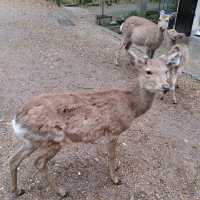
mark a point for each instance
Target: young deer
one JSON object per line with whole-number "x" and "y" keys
{"x": 173, "y": 37}
{"x": 50, "y": 121}
{"x": 177, "y": 58}
{"x": 142, "y": 32}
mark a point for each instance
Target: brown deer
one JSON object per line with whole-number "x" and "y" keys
{"x": 50, "y": 121}
{"x": 177, "y": 58}
{"x": 173, "y": 37}
{"x": 142, "y": 32}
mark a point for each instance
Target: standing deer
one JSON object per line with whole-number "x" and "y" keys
{"x": 142, "y": 32}
{"x": 50, "y": 121}
{"x": 177, "y": 58}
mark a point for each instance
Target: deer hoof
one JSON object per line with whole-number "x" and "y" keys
{"x": 117, "y": 165}
{"x": 62, "y": 193}
{"x": 19, "y": 192}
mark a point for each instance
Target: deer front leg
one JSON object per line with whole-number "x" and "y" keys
{"x": 126, "y": 43}
{"x": 174, "y": 95}
{"x": 173, "y": 82}
{"x": 112, "y": 160}
{"x": 41, "y": 163}
{"x": 14, "y": 163}
{"x": 150, "y": 52}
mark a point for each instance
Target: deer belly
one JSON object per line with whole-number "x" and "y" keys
{"x": 89, "y": 130}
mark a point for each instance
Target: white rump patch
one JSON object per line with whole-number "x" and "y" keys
{"x": 19, "y": 131}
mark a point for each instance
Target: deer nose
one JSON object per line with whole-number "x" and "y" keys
{"x": 165, "y": 88}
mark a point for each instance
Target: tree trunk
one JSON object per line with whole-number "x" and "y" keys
{"x": 102, "y": 7}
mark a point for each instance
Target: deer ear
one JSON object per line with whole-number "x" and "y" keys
{"x": 134, "y": 59}
{"x": 174, "y": 59}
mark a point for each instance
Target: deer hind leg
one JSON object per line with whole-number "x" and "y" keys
{"x": 14, "y": 163}
{"x": 41, "y": 163}
{"x": 169, "y": 74}
{"x": 112, "y": 160}
{"x": 179, "y": 72}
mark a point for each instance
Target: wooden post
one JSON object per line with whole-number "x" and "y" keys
{"x": 102, "y": 7}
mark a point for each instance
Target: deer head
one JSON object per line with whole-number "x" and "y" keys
{"x": 174, "y": 58}
{"x": 174, "y": 36}
{"x": 152, "y": 73}
{"x": 163, "y": 22}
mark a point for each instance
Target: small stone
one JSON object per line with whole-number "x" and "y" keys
{"x": 124, "y": 144}
{"x": 96, "y": 159}
{"x": 79, "y": 173}
{"x": 185, "y": 140}
{"x": 37, "y": 181}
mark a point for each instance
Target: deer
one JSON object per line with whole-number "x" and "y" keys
{"x": 177, "y": 58}
{"x": 173, "y": 37}
{"x": 48, "y": 122}
{"x": 142, "y": 32}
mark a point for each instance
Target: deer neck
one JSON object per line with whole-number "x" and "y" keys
{"x": 160, "y": 34}
{"x": 142, "y": 99}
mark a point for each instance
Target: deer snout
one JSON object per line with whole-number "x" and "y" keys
{"x": 165, "y": 88}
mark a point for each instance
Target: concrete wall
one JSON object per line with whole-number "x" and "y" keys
{"x": 196, "y": 22}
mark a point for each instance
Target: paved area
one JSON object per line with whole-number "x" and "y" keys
{"x": 194, "y": 67}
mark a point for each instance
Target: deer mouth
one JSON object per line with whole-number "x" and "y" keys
{"x": 165, "y": 89}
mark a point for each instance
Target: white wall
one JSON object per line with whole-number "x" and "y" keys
{"x": 196, "y": 22}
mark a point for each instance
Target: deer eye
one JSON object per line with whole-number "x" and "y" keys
{"x": 149, "y": 72}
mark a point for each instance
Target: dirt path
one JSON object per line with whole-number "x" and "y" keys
{"x": 45, "y": 49}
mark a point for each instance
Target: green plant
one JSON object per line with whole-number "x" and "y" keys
{"x": 58, "y": 2}
{"x": 152, "y": 15}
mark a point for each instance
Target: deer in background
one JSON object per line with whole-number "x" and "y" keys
{"x": 173, "y": 37}
{"x": 50, "y": 121}
{"x": 142, "y": 32}
{"x": 177, "y": 58}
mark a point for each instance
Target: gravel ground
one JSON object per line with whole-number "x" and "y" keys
{"x": 45, "y": 49}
